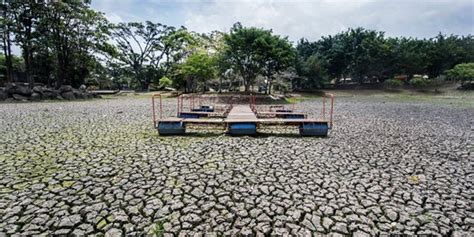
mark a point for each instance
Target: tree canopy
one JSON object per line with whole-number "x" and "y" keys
{"x": 367, "y": 56}
{"x": 68, "y": 42}
{"x": 253, "y": 51}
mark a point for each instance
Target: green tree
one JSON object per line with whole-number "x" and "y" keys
{"x": 243, "y": 52}
{"x": 18, "y": 64}
{"x": 173, "y": 48}
{"x": 6, "y": 23}
{"x": 463, "y": 72}
{"x": 315, "y": 72}
{"x": 254, "y": 51}
{"x": 410, "y": 56}
{"x": 213, "y": 43}
{"x": 75, "y": 34}
{"x": 165, "y": 82}
{"x": 277, "y": 54}
{"x": 59, "y": 40}
{"x": 198, "y": 68}
{"x": 149, "y": 50}
{"x": 25, "y": 17}
{"x": 135, "y": 43}
{"x": 445, "y": 52}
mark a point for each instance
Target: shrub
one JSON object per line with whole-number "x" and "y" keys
{"x": 419, "y": 82}
{"x": 393, "y": 83}
{"x": 463, "y": 72}
{"x": 165, "y": 82}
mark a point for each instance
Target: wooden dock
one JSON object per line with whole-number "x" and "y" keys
{"x": 241, "y": 113}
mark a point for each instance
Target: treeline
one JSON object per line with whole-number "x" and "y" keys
{"x": 68, "y": 43}
{"x": 367, "y": 56}
{"x": 60, "y": 41}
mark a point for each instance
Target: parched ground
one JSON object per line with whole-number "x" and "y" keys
{"x": 98, "y": 167}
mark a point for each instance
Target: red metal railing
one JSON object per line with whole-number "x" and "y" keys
{"x": 153, "y": 108}
{"x": 331, "y": 111}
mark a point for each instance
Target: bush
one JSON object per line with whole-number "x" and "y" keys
{"x": 392, "y": 84}
{"x": 420, "y": 83}
{"x": 165, "y": 82}
{"x": 463, "y": 72}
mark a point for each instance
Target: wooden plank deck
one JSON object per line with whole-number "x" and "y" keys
{"x": 241, "y": 113}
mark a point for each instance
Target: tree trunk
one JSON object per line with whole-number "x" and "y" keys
{"x": 7, "y": 50}
{"x": 60, "y": 73}
{"x": 8, "y": 57}
{"x": 27, "y": 52}
{"x": 144, "y": 84}
{"x": 220, "y": 85}
{"x": 247, "y": 87}
{"x": 269, "y": 87}
{"x": 27, "y": 58}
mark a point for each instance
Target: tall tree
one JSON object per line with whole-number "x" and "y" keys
{"x": 173, "y": 47}
{"x": 242, "y": 52}
{"x": 6, "y": 25}
{"x": 26, "y": 15}
{"x": 75, "y": 33}
{"x": 277, "y": 55}
{"x": 150, "y": 45}
{"x": 410, "y": 56}
{"x": 198, "y": 68}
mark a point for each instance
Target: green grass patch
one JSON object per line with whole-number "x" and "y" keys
{"x": 159, "y": 229}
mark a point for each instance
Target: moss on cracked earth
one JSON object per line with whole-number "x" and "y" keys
{"x": 392, "y": 164}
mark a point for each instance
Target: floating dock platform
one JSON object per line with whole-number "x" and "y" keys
{"x": 239, "y": 119}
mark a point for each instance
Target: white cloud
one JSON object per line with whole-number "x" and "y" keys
{"x": 302, "y": 18}
{"x": 312, "y": 19}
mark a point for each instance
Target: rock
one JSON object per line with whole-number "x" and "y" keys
{"x": 327, "y": 223}
{"x": 113, "y": 232}
{"x": 79, "y": 94}
{"x": 24, "y": 90}
{"x": 70, "y": 221}
{"x": 3, "y": 95}
{"x": 78, "y": 232}
{"x": 65, "y": 88}
{"x": 245, "y": 231}
{"x": 177, "y": 205}
{"x": 35, "y": 96}
{"x": 392, "y": 215}
{"x": 82, "y": 88}
{"x": 340, "y": 228}
{"x": 49, "y": 93}
{"x": 13, "y": 88}
{"x": 68, "y": 95}
{"x": 97, "y": 191}
{"x": 191, "y": 218}
{"x": 10, "y": 88}
{"x": 38, "y": 89}
{"x": 62, "y": 232}
{"x": 263, "y": 218}
{"x": 19, "y": 97}
{"x": 360, "y": 234}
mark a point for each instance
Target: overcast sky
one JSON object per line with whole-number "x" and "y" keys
{"x": 298, "y": 18}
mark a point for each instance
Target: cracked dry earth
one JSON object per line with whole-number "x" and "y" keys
{"x": 98, "y": 167}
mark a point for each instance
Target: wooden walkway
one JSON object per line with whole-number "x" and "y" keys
{"x": 241, "y": 113}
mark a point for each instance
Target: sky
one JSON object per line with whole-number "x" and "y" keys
{"x": 310, "y": 19}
